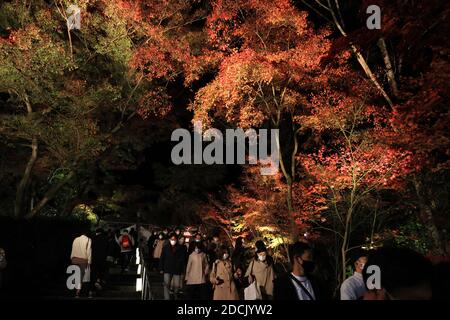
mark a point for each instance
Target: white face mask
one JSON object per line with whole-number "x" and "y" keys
{"x": 225, "y": 256}
{"x": 197, "y": 250}
{"x": 261, "y": 257}
{"x": 160, "y": 237}
{"x": 173, "y": 242}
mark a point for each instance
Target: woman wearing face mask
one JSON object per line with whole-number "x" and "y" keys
{"x": 196, "y": 272}
{"x": 172, "y": 265}
{"x": 158, "y": 246}
{"x": 261, "y": 271}
{"x": 221, "y": 277}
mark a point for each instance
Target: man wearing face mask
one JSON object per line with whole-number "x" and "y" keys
{"x": 299, "y": 284}
{"x": 172, "y": 264}
{"x": 353, "y": 288}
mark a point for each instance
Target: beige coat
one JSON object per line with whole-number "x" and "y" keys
{"x": 81, "y": 248}
{"x": 197, "y": 268}
{"x": 227, "y": 290}
{"x": 158, "y": 248}
{"x": 264, "y": 275}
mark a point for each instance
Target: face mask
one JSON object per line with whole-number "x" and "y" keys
{"x": 177, "y": 232}
{"x": 308, "y": 266}
{"x": 225, "y": 256}
{"x": 160, "y": 237}
{"x": 216, "y": 240}
{"x": 261, "y": 257}
{"x": 165, "y": 232}
{"x": 173, "y": 242}
{"x": 197, "y": 250}
{"x": 361, "y": 265}
{"x": 198, "y": 240}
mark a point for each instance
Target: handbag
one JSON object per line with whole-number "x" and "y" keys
{"x": 253, "y": 291}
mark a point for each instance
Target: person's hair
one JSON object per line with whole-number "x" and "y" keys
{"x": 224, "y": 249}
{"x": 297, "y": 249}
{"x": 198, "y": 245}
{"x": 260, "y": 246}
{"x": 359, "y": 253}
{"x": 400, "y": 268}
{"x": 172, "y": 235}
{"x": 239, "y": 241}
{"x": 85, "y": 230}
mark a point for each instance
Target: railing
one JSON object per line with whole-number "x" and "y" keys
{"x": 143, "y": 277}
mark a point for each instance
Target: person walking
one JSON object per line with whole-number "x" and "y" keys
{"x": 196, "y": 273}
{"x": 354, "y": 288}
{"x": 261, "y": 271}
{"x": 222, "y": 277}
{"x": 81, "y": 256}
{"x": 299, "y": 284}
{"x": 171, "y": 264}
{"x": 126, "y": 244}
{"x": 158, "y": 246}
{"x": 99, "y": 255}
{"x": 184, "y": 251}
{"x": 238, "y": 256}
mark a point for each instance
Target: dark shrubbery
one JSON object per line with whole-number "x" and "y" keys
{"x": 38, "y": 253}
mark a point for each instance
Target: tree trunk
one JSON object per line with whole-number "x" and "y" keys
{"x": 389, "y": 70}
{"x": 19, "y": 205}
{"x": 359, "y": 56}
{"x": 49, "y": 195}
{"x": 344, "y": 245}
{"x": 25, "y": 181}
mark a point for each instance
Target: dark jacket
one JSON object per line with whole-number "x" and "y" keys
{"x": 172, "y": 259}
{"x": 238, "y": 258}
{"x": 99, "y": 248}
{"x": 284, "y": 289}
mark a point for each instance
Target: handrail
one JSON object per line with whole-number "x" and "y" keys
{"x": 143, "y": 281}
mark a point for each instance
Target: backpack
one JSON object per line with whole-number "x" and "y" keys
{"x": 126, "y": 241}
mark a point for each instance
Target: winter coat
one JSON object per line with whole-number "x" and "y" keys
{"x": 223, "y": 269}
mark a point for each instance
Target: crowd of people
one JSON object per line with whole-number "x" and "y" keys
{"x": 95, "y": 254}
{"x": 198, "y": 267}
{"x": 209, "y": 268}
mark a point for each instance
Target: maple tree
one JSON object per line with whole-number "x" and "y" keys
{"x": 271, "y": 57}
{"x": 86, "y": 116}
